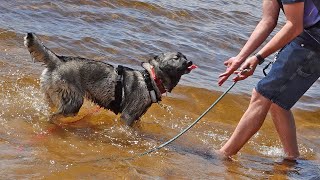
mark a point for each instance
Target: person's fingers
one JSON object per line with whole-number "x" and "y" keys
{"x": 231, "y": 67}
{"x": 242, "y": 71}
{"x": 222, "y": 80}
{"x": 243, "y": 74}
{"x": 228, "y": 72}
{"x": 237, "y": 72}
{"x": 224, "y": 74}
{"x": 239, "y": 77}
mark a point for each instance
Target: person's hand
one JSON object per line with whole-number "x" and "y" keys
{"x": 232, "y": 65}
{"x": 246, "y": 69}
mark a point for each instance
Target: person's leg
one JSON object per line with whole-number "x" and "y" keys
{"x": 249, "y": 124}
{"x": 286, "y": 128}
{"x": 297, "y": 67}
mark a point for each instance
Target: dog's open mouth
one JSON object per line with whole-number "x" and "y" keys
{"x": 192, "y": 67}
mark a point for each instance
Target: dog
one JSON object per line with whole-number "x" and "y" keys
{"x": 66, "y": 81}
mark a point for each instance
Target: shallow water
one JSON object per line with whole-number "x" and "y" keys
{"x": 129, "y": 32}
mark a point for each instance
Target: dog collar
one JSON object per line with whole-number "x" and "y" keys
{"x": 154, "y": 84}
{"x": 158, "y": 81}
{"x": 155, "y": 97}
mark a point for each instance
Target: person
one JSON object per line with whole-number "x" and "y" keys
{"x": 297, "y": 67}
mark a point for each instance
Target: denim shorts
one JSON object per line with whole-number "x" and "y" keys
{"x": 296, "y": 68}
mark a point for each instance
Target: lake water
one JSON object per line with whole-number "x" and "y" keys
{"x": 129, "y": 32}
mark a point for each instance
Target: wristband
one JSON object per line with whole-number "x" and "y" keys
{"x": 260, "y": 58}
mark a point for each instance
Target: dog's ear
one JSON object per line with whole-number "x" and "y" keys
{"x": 153, "y": 58}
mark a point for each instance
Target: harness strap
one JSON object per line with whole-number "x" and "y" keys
{"x": 147, "y": 79}
{"x": 116, "y": 103}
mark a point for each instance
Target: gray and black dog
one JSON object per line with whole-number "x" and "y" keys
{"x": 66, "y": 81}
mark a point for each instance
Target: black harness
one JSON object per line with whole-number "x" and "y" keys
{"x": 115, "y": 105}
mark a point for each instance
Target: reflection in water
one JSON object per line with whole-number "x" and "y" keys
{"x": 129, "y": 32}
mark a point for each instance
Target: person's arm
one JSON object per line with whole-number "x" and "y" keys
{"x": 266, "y": 25}
{"x": 268, "y": 22}
{"x": 292, "y": 28}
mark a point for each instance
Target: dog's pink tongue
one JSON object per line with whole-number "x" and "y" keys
{"x": 192, "y": 67}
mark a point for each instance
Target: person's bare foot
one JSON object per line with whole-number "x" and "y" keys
{"x": 220, "y": 155}
{"x": 291, "y": 158}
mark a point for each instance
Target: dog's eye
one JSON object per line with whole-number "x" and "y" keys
{"x": 176, "y": 57}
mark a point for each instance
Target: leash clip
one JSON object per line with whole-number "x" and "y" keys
{"x": 245, "y": 70}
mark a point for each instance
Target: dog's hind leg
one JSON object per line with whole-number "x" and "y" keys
{"x": 69, "y": 101}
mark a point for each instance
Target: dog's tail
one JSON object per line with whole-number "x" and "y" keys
{"x": 39, "y": 52}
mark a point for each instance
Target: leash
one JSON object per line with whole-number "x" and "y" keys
{"x": 190, "y": 126}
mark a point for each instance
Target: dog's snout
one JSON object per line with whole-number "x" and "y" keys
{"x": 189, "y": 63}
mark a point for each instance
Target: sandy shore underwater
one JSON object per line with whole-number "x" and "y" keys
{"x": 128, "y": 32}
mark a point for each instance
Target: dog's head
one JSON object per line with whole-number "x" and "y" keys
{"x": 169, "y": 67}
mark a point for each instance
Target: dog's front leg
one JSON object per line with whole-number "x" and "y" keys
{"x": 128, "y": 119}
{"x": 133, "y": 112}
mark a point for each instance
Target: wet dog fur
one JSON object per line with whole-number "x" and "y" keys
{"x": 66, "y": 81}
